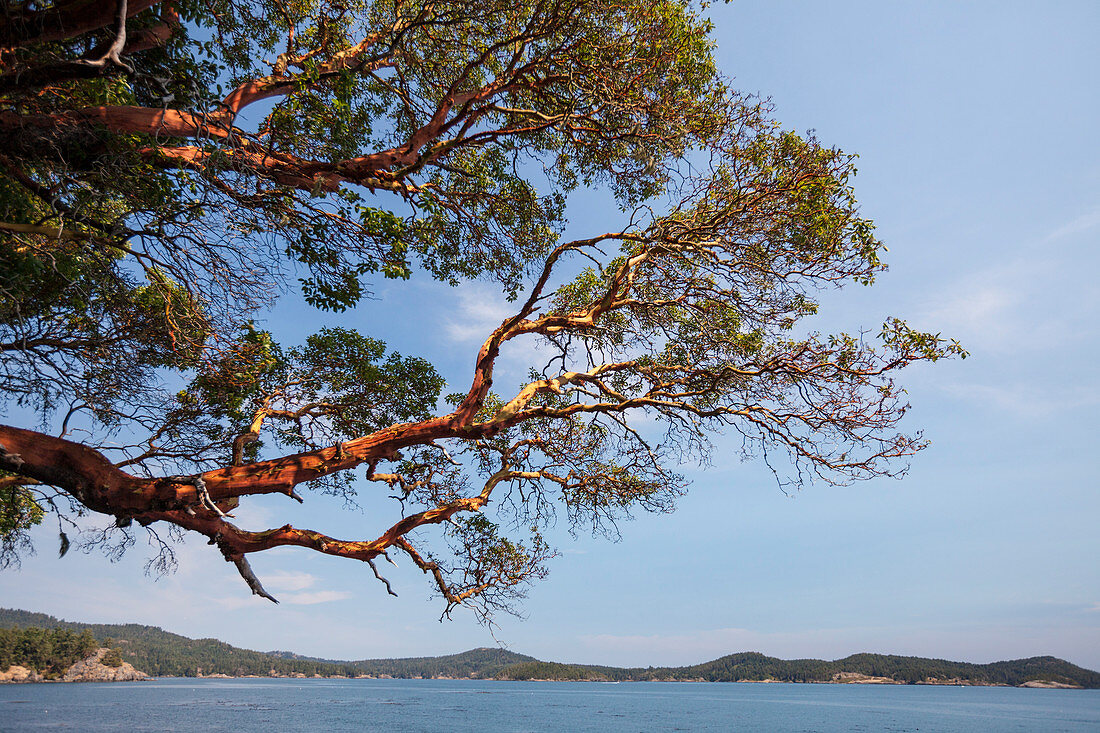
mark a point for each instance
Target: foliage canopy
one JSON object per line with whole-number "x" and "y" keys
{"x": 170, "y": 168}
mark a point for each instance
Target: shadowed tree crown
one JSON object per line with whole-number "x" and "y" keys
{"x": 169, "y": 169}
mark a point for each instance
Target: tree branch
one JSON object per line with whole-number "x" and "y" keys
{"x": 66, "y": 20}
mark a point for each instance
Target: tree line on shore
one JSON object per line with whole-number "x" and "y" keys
{"x": 47, "y": 651}
{"x": 161, "y": 653}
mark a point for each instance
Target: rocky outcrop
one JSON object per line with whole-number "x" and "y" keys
{"x": 1050, "y": 685}
{"x": 15, "y": 673}
{"x": 93, "y": 670}
{"x": 857, "y": 678}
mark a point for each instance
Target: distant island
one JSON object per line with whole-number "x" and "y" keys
{"x": 162, "y": 654}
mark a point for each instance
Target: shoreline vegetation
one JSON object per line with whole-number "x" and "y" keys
{"x": 36, "y": 647}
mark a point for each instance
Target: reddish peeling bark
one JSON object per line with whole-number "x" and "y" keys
{"x": 281, "y": 475}
{"x": 125, "y": 119}
{"x": 96, "y": 482}
{"x": 81, "y": 471}
{"x": 356, "y": 57}
{"x": 370, "y": 170}
{"x": 234, "y": 541}
{"x": 383, "y": 169}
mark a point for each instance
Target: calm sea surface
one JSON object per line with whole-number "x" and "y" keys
{"x": 460, "y": 705}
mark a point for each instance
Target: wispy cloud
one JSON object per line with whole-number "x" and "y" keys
{"x": 289, "y": 587}
{"x": 480, "y": 310}
{"x": 1030, "y": 399}
{"x": 314, "y": 597}
{"x": 1031, "y": 296}
{"x": 237, "y": 602}
{"x": 975, "y": 307}
{"x": 253, "y": 514}
{"x": 1038, "y": 301}
{"x": 1078, "y": 225}
{"x": 289, "y": 581}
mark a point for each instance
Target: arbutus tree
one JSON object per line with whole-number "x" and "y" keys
{"x": 161, "y": 184}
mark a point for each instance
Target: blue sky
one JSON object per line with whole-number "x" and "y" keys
{"x": 976, "y": 127}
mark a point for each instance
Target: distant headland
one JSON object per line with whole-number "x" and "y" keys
{"x": 76, "y": 651}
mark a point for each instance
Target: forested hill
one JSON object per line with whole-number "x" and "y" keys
{"x": 908, "y": 670}
{"x": 158, "y": 652}
{"x": 482, "y": 663}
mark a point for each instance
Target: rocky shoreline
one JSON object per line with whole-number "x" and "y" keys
{"x": 90, "y": 669}
{"x": 843, "y": 679}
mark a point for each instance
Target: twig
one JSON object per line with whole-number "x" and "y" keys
{"x": 389, "y": 589}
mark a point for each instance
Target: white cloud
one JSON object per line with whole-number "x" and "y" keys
{"x": 252, "y": 513}
{"x": 480, "y": 310}
{"x": 288, "y": 581}
{"x": 1033, "y": 296}
{"x": 1030, "y": 400}
{"x": 314, "y": 597}
{"x": 971, "y": 308}
{"x": 1082, "y": 223}
{"x": 242, "y": 600}
{"x": 1034, "y": 303}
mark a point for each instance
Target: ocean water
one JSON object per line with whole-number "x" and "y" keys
{"x": 462, "y": 705}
